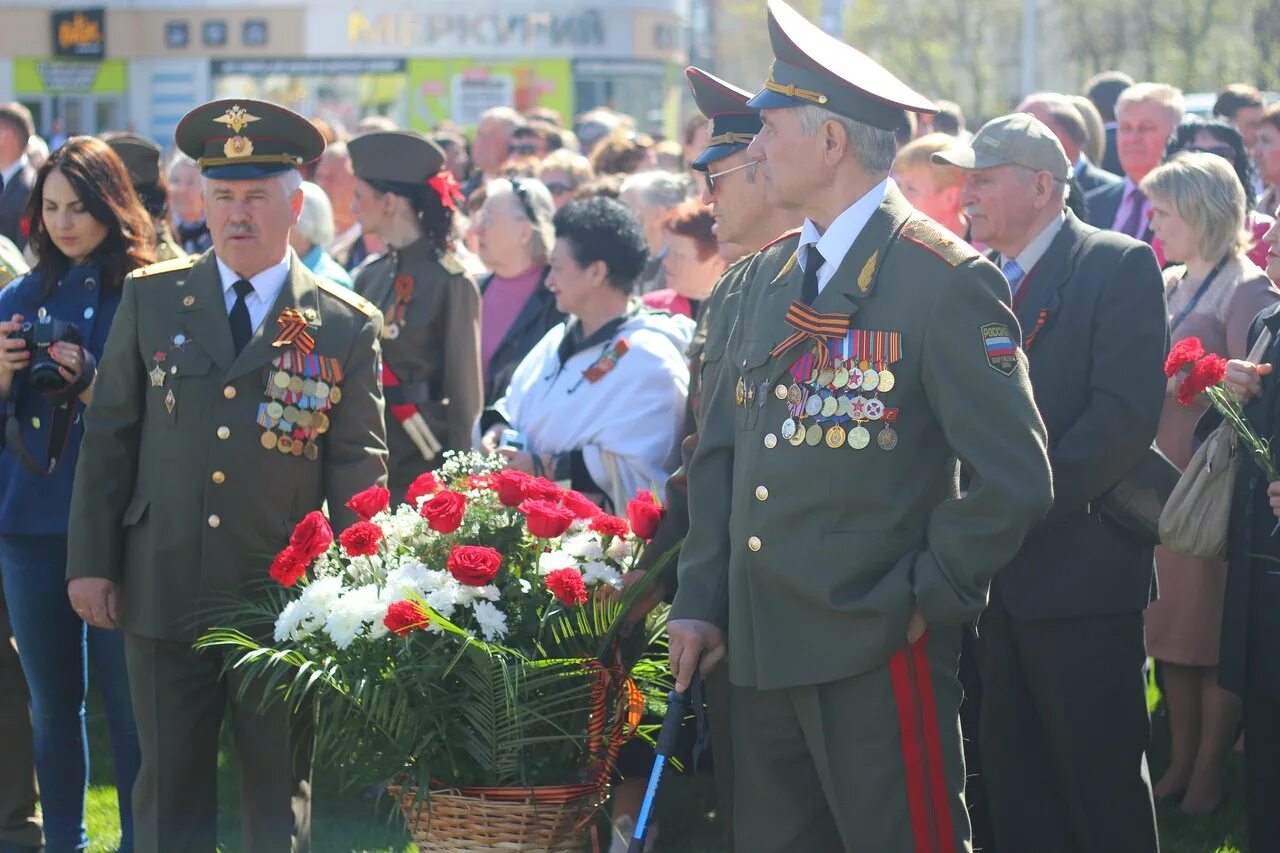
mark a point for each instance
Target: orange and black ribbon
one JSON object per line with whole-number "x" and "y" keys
{"x": 810, "y": 325}
{"x": 404, "y": 295}
{"x": 293, "y": 330}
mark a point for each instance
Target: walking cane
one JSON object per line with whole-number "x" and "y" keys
{"x": 677, "y": 705}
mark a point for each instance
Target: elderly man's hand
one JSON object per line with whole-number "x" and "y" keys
{"x": 95, "y": 600}
{"x": 689, "y": 640}
{"x": 1244, "y": 378}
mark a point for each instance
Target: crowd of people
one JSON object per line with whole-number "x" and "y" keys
{"x": 889, "y": 369}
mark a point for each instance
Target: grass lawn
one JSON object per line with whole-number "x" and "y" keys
{"x": 346, "y": 821}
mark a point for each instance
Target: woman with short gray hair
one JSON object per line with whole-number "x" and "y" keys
{"x": 313, "y": 231}
{"x": 514, "y": 237}
{"x": 1214, "y": 293}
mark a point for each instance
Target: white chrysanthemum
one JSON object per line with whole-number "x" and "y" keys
{"x": 619, "y": 549}
{"x": 492, "y": 621}
{"x": 552, "y": 560}
{"x": 597, "y": 571}
{"x": 322, "y": 592}
{"x": 410, "y": 577}
{"x": 525, "y": 586}
{"x": 287, "y": 621}
{"x": 584, "y": 547}
{"x": 446, "y": 595}
{"x": 352, "y": 613}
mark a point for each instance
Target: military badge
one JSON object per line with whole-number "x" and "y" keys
{"x": 868, "y": 273}
{"x": 237, "y": 118}
{"x": 238, "y": 146}
{"x": 998, "y": 345}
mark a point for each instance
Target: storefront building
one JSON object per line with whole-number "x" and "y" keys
{"x": 140, "y": 66}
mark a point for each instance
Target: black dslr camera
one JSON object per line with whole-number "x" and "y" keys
{"x": 38, "y": 336}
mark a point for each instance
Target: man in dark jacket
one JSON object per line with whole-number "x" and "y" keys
{"x": 17, "y": 177}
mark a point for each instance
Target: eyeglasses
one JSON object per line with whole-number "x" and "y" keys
{"x": 557, "y": 188}
{"x": 522, "y": 195}
{"x": 524, "y": 149}
{"x": 1224, "y": 151}
{"x": 709, "y": 178}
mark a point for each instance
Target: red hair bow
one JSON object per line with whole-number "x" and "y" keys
{"x": 447, "y": 187}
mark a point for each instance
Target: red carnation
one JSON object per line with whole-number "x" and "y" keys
{"x": 543, "y": 490}
{"x": 425, "y": 485}
{"x": 1184, "y": 352}
{"x": 644, "y": 512}
{"x": 361, "y": 539}
{"x": 312, "y": 537}
{"x": 581, "y": 505}
{"x": 370, "y": 502}
{"x": 510, "y": 485}
{"x": 473, "y": 565}
{"x": 444, "y": 512}
{"x": 610, "y": 525}
{"x": 288, "y": 567}
{"x": 567, "y": 586}
{"x": 1206, "y": 373}
{"x": 404, "y": 617}
{"x": 546, "y": 520}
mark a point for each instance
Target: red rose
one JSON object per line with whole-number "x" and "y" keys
{"x": 610, "y": 525}
{"x": 1184, "y": 352}
{"x": 288, "y": 567}
{"x": 644, "y": 512}
{"x": 581, "y": 505}
{"x": 546, "y": 520}
{"x": 543, "y": 490}
{"x": 426, "y": 484}
{"x": 510, "y": 486}
{"x": 312, "y": 537}
{"x": 404, "y": 617}
{"x": 1206, "y": 373}
{"x": 567, "y": 586}
{"x": 444, "y": 512}
{"x": 361, "y": 539}
{"x": 473, "y": 565}
{"x": 370, "y": 502}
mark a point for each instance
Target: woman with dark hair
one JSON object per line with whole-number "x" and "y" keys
{"x": 430, "y": 306}
{"x": 88, "y": 232}
{"x": 1214, "y": 136}
{"x": 599, "y": 403}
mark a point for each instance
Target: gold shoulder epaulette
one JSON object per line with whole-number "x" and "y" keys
{"x": 172, "y": 265}
{"x": 451, "y": 264}
{"x": 794, "y": 232}
{"x": 938, "y": 241}
{"x": 348, "y": 296}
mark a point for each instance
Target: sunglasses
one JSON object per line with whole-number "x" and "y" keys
{"x": 524, "y": 149}
{"x": 1226, "y": 152}
{"x": 709, "y": 178}
{"x": 522, "y": 195}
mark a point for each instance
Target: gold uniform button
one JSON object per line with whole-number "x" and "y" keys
{"x": 224, "y": 432}
{"x": 214, "y": 521}
{"x": 754, "y": 543}
{"x": 218, "y": 477}
{"x": 771, "y": 441}
{"x": 229, "y": 392}
{"x": 762, "y": 494}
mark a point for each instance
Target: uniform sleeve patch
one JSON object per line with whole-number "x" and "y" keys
{"x": 998, "y": 345}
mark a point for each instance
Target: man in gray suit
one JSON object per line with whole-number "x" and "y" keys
{"x": 16, "y": 175}
{"x": 1063, "y": 724}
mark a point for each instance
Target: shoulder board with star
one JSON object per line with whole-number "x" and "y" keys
{"x": 451, "y": 264}
{"x": 161, "y": 267}
{"x": 938, "y": 241}
{"x": 350, "y": 297}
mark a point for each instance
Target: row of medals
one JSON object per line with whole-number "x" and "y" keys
{"x": 839, "y": 377}
{"x": 309, "y": 419}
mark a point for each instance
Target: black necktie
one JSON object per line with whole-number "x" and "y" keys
{"x": 241, "y": 328}
{"x": 809, "y": 287}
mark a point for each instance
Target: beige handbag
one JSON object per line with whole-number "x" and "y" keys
{"x": 1197, "y": 515}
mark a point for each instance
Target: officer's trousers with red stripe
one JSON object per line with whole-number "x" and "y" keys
{"x": 868, "y": 763}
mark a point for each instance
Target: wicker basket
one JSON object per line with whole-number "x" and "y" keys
{"x": 481, "y": 820}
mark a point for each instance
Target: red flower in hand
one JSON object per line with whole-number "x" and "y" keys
{"x": 404, "y": 617}
{"x": 370, "y": 502}
{"x": 610, "y": 525}
{"x": 581, "y": 505}
{"x": 546, "y": 520}
{"x": 510, "y": 485}
{"x": 426, "y": 485}
{"x": 444, "y": 512}
{"x": 361, "y": 539}
{"x": 473, "y": 565}
{"x": 567, "y": 586}
{"x": 644, "y": 512}
{"x": 1206, "y": 373}
{"x": 1184, "y": 352}
{"x": 288, "y": 567}
{"x": 312, "y": 537}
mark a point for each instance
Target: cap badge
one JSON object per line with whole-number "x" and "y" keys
{"x": 237, "y": 118}
{"x": 238, "y": 146}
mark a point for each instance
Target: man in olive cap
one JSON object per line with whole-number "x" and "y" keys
{"x": 827, "y": 533}
{"x": 237, "y": 393}
{"x": 1063, "y": 721}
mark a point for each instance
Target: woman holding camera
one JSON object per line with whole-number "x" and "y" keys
{"x": 88, "y": 231}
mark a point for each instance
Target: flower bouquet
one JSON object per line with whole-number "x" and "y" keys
{"x": 467, "y": 643}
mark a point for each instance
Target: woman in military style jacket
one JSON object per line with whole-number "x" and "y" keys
{"x": 430, "y": 306}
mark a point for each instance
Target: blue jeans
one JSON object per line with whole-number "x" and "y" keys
{"x": 56, "y": 649}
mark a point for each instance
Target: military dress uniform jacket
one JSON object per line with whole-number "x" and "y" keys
{"x": 814, "y": 556}
{"x": 431, "y": 342}
{"x": 185, "y": 489}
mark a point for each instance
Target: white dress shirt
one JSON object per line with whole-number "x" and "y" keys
{"x": 8, "y": 172}
{"x": 266, "y": 287}
{"x": 1034, "y": 251}
{"x": 836, "y": 242}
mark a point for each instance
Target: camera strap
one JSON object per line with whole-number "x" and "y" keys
{"x": 63, "y": 418}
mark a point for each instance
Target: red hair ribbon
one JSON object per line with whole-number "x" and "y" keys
{"x": 447, "y": 187}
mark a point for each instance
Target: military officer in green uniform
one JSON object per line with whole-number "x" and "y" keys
{"x": 237, "y": 393}
{"x": 430, "y": 305}
{"x": 141, "y": 158}
{"x": 828, "y": 538}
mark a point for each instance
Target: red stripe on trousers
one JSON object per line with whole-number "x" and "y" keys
{"x": 933, "y": 749}
{"x": 912, "y": 758}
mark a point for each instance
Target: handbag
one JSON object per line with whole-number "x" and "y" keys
{"x": 1197, "y": 515}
